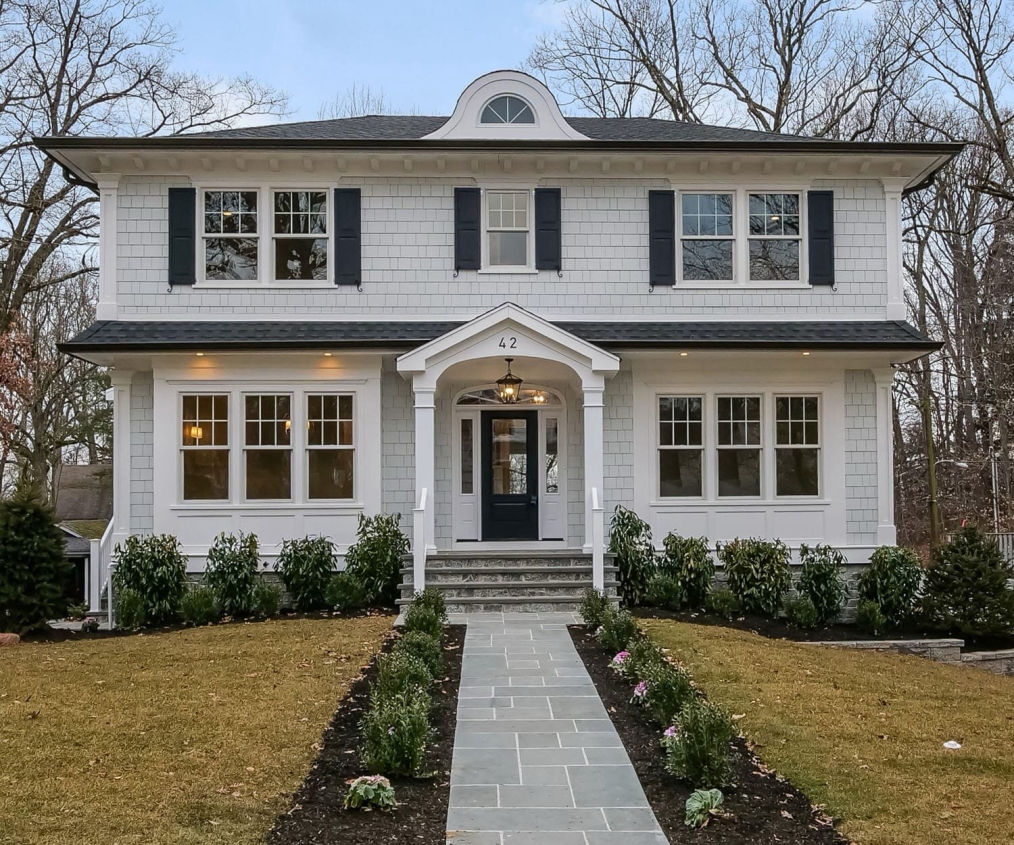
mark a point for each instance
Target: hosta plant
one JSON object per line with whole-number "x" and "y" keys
{"x": 370, "y": 792}
{"x": 822, "y": 581}
{"x": 758, "y": 573}
{"x": 702, "y": 806}
{"x": 688, "y": 561}
{"x": 630, "y": 540}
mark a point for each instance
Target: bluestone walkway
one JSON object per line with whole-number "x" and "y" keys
{"x": 536, "y": 758}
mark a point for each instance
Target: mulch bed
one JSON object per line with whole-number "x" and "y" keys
{"x": 776, "y": 629}
{"x": 766, "y": 809}
{"x": 318, "y": 817}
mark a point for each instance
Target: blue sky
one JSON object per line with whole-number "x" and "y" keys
{"x": 421, "y": 54}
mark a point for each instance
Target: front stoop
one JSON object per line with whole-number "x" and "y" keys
{"x": 504, "y": 581}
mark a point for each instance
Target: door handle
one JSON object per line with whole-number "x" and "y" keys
{"x": 534, "y": 500}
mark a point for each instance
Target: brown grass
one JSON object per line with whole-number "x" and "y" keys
{"x": 863, "y": 733}
{"x": 188, "y": 737}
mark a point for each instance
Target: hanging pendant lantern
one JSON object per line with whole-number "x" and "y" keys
{"x": 508, "y": 386}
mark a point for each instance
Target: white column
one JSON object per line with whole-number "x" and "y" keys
{"x": 108, "y": 185}
{"x": 121, "y": 452}
{"x": 886, "y": 532}
{"x": 593, "y": 479}
{"x": 425, "y": 478}
{"x": 893, "y": 187}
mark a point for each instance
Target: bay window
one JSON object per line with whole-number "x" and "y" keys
{"x": 204, "y": 445}
{"x": 739, "y": 445}
{"x": 797, "y": 446}
{"x": 680, "y": 445}
{"x": 330, "y": 452}
{"x": 775, "y": 237}
{"x": 268, "y": 449}
{"x": 230, "y": 235}
{"x": 300, "y": 235}
{"x": 706, "y": 237}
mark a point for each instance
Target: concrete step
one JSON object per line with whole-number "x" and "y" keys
{"x": 501, "y": 561}
{"x": 498, "y": 589}
{"x": 514, "y": 574}
{"x": 539, "y": 604}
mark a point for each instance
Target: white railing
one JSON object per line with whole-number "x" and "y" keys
{"x": 100, "y": 554}
{"x": 598, "y": 541}
{"x": 1005, "y": 540}
{"x": 419, "y": 518}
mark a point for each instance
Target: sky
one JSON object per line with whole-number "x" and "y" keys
{"x": 420, "y": 54}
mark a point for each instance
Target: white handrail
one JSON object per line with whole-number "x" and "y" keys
{"x": 598, "y": 541}
{"x": 419, "y": 542}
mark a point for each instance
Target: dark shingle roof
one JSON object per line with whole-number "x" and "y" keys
{"x": 379, "y": 127}
{"x": 111, "y": 335}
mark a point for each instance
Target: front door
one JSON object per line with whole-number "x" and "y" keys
{"x": 510, "y": 475}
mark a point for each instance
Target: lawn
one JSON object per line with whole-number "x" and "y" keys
{"x": 863, "y": 733}
{"x": 195, "y": 736}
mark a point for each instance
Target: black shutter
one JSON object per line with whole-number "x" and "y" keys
{"x": 348, "y": 254}
{"x": 662, "y": 238}
{"x": 182, "y": 236}
{"x": 466, "y": 229}
{"x": 820, "y": 223}
{"x": 548, "y": 248}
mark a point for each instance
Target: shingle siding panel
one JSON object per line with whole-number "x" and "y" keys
{"x": 860, "y": 457}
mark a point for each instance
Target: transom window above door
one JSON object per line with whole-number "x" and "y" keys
{"x": 536, "y": 396}
{"x": 507, "y": 228}
{"x": 507, "y": 109}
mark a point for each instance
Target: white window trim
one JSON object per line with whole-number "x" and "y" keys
{"x": 486, "y": 103}
{"x": 201, "y": 263}
{"x": 307, "y": 447}
{"x": 659, "y": 448}
{"x": 245, "y": 447}
{"x": 329, "y": 236}
{"x": 485, "y": 266}
{"x": 741, "y": 237}
{"x": 229, "y": 448}
{"x": 765, "y": 489}
{"x": 819, "y": 446}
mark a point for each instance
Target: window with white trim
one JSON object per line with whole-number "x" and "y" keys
{"x": 204, "y": 446}
{"x": 507, "y": 228}
{"x": 775, "y": 237}
{"x": 267, "y": 452}
{"x": 797, "y": 445}
{"x": 301, "y": 240}
{"x": 330, "y": 448}
{"x": 507, "y": 108}
{"x": 739, "y": 444}
{"x": 680, "y": 446}
{"x": 230, "y": 235}
{"x": 707, "y": 237}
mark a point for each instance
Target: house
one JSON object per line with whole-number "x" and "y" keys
{"x": 311, "y": 321}
{"x": 83, "y": 503}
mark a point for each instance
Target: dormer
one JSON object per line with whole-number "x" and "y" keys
{"x": 506, "y": 105}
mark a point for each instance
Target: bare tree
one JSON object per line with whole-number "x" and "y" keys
{"x": 355, "y": 101}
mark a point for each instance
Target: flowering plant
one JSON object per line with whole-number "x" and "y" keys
{"x": 616, "y": 664}
{"x": 368, "y": 792}
{"x": 640, "y": 691}
{"x": 670, "y": 732}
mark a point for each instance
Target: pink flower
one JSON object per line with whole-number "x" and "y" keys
{"x": 617, "y": 662}
{"x": 641, "y": 690}
{"x": 670, "y": 732}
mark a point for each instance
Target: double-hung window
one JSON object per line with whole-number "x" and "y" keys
{"x": 680, "y": 445}
{"x": 204, "y": 445}
{"x": 300, "y": 235}
{"x": 739, "y": 445}
{"x": 230, "y": 235}
{"x": 507, "y": 228}
{"x": 775, "y": 237}
{"x": 707, "y": 237}
{"x": 268, "y": 449}
{"x": 797, "y": 445}
{"x": 330, "y": 450}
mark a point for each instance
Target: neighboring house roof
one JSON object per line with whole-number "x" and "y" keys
{"x": 89, "y": 529}
{"x": 74, "y": 545}
{"x": 122, "y": 336}
{"x": 84, "y": 492}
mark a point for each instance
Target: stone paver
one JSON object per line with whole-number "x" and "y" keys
{"x": 536, "y": 758}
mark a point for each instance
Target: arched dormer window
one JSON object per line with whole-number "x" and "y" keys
{"x": 507, "y": 109}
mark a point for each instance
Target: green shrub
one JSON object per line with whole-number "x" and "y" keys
{"x": 723, "y": 602}
{"x": 698, "y": 748}
{"x": 593, "y": 605}
{"x": 965, "y": 591}
{"x": 758, "y": 573}
{"x": 33, "y": 568}
{"x": 400, "y": 672}
{"x": 421, "y": 617}
{"x": 424, "y": 647}
{"x": 892, "y": 581}
{"x": 869, "y": 618}
{"x": 266, "y": 599}
{"x": 200, "y": 607}
{"x": 669, "y": 691}
{"x": 346, "y": 593}
{"x": 433, "y": 598}
{"x": 394, "y": 734}
{"x": 688, "y": 561}
{"x": 618, "y": 629}
{"x": 643, "y": 655}
{"x": 800, "y": 613}
{"x": 822, "y": 580}
{"x": 305, "y": 566}
{"x": 630, "y": 540}
{"x": 129, "y": 611}
{"x": 153, "y": 567}
{"x": 377, "y": 556}
{"x": 370, "y": 792}
{"x": 665, "y": 593}
{"x": 232, "y": 572}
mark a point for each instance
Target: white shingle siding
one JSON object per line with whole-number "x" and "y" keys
{"x": 860, "y": 457}
{"x": 142, "y": 485}
{"x": 408, "y": 266}
{"x": 618, "y": 450}
{"x": 398, "y": 458}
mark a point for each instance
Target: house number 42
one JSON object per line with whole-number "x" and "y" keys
{"x": 508, "y": 343}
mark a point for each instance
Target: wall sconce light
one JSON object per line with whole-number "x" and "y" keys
{"x": 196, "y": 432}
